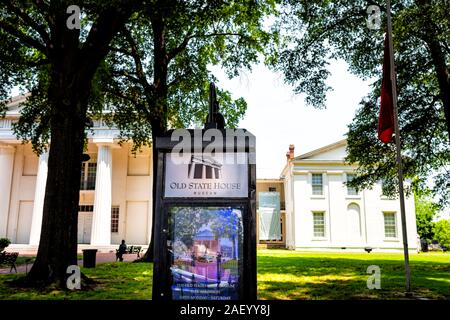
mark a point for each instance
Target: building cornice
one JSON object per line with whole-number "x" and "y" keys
{"x": 274, "y": 180}
{"x": 299, "y": 163}
{"x": 321, "y": 150}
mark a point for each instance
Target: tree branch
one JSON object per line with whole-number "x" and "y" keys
{"x": 120, "y": 95}
{"x": 136, "y": 103}
{"x": 22, "y": 37}
{"x": 137, "y": 59}
{"x": 41, "y": 62}
{"x": 173, "y": 53}
{"x": 45, "y": 10}
{"x": 178, "y": 79}
{"x": 446, "y": 47}
{"x": 144, "y": 110}
{"x": 377, "y": 4}
{"x": 325, "y": 30}
{"x": 119, "y": 50}
{"x": 125, "y": 74}
{"x": 216, "y": 34}
{"x": 30, "y": 22}
{"x": 109, "y": 22}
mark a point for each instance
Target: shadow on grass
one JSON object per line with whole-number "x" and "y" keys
{"x": 283, "y": 275}
{"x": 297, "y": 276}
{"x": 113, "y": 281}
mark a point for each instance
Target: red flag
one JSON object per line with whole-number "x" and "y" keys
{"x": 386, "y": 118}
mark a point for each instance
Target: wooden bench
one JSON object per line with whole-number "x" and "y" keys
{"x": 9, "y": 258}
{"x": 130, "y": 250}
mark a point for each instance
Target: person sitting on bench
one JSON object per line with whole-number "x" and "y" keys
{"x": 121, "y": 251}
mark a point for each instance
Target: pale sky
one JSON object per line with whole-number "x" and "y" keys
{"x": 278, "y": 118}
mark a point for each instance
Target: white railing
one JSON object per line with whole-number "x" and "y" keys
{"x": 6, "y": 124}
{"x": 99, "y": 130}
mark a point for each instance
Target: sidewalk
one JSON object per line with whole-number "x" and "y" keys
{"x": 100, "y": 258}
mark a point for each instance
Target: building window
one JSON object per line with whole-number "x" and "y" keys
{"x": 272, "y": 189}
{"x": 317, "y": 184}
{"x": 91, "y": 174}
{"x": 390, "y": 229}
{"x": 115, "y": 219}
{"x": 82, "y": 177}
{"x": 319, "y": 224}
{"x": 353, "y": 222}
{"x": 351, "y": 191}
{"x": 85, "y": 208}
{"x": 88, "y": 174}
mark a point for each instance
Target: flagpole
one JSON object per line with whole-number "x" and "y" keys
{"x": 397, "y": 144}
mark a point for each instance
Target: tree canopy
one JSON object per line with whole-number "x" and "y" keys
{"x": 157, "y": 74}
{"x": 426, "y": 210}
{"x": 148, "y": 61}
{"x": 320, "y": 31}
{"x": 442, "y": 232}
{"x": 44, "y": 52}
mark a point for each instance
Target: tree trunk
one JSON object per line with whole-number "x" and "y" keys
{"x": 158, "y": 110}
{"x": 149, "y": 254}
{"x": 73, "y": 69}
{"x": 440, "y": 67}
{"x": 439, "y": 59}
{"x": 58, "y": 241}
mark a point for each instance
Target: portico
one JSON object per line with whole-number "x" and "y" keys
{"x": 115, "y": 189}
{"x": 6, "y": 170}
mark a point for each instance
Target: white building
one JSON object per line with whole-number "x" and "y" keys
{"x": 323, "y": 213}
{"x": 116, "y": 187}
{"x": 317, "y": 210}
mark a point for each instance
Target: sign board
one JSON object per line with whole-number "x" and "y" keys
{"x": 201, "y": 176}
{"x": 205, "y": 216}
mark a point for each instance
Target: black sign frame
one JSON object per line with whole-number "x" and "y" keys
{"x": 161, "y": 268}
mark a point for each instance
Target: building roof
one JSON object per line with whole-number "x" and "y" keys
{"x": 328, "y": 154}
{"x": 321, "y": 150}
{"x": 269, "y": 180}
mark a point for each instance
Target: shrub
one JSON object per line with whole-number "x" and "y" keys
{"x": 425, "y": 212}
{"x": 4, "y": 242}
{"x": 442, "y": 232}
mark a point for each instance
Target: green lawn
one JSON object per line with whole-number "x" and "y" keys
{"x": 286, "y": 274}
{"x": 281, "y": 275}
{"x": 20, "y": 260}
{"x": 115, "y": 280}
{"x": 29, "y": 259}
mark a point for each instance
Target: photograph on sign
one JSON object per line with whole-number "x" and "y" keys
{"x": 206, "y": 252}
{"x": 206, "y": 176}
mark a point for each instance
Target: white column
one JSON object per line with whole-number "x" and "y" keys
{"x": 39, "y": 195}
{"x": 6, "y": 173}
{"x": 150, "y": 199}
{"x": 101, "y": 220}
